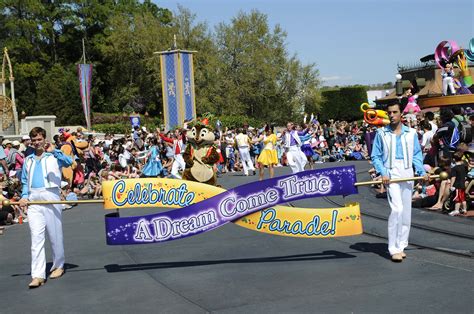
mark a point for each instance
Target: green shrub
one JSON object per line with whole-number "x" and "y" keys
{"x": 102, "y": 118}
{"x": 115, "y": 128}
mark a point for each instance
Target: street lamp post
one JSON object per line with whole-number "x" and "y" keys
{"x": 398, "y": 85}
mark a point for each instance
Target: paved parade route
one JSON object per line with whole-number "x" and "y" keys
{"x": 235, "y": 270}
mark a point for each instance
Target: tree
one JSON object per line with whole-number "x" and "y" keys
{"x": 257, "y": 76}
{"x": 241, "y": 67}
{"x": 343, "y": 103}
{"x": 58, "y": 94}
{"x": 128, "y": 49}
{"x": 196, "y": 36}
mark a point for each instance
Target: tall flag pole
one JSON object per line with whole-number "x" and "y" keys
{"x": 85, "y": 77}
{"x": 177, "y": 80}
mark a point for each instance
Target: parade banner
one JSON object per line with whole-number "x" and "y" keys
{"x": 193, "y": 218}
{"x": 85, "y": 78}
{"x": 305, "y": 222}
{"x": 155, "y": 192}
{"x": 177, "y": 77}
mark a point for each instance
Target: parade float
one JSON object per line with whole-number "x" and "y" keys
{"x": 432, "y": 78}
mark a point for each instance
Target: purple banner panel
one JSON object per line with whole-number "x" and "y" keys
{"x": 228, "y": 206}
{"x": 85, "y": 79}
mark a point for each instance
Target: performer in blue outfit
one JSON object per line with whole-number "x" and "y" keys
{"x": 41, "y": 180}
{"x": 395, "y": 152}
{"x": 153, "y": 166}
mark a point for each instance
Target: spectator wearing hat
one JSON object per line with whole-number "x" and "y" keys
{"x": 15, "y": 159}
{"x": 24, "y": 143}
{"x": 29, "y": 150}
{"x": 7, "y": 145}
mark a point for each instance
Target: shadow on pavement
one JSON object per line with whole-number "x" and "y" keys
{"x": 112, "y": 268}
{"x": 380, "y": 249}
{"x": 67, "y": 267}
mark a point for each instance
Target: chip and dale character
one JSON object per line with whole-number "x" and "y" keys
{"x": 200, "y": 154}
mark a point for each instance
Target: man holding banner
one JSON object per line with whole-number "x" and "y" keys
{"x": 41, "y": 181}
{"x": 395, "y": 152}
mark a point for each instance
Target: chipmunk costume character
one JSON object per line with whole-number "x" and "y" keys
{"x": 201, "y": 155}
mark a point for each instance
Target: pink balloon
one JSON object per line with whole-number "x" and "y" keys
{"x": 444, "y": 51}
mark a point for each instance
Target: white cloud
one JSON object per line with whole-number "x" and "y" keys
{"x": 335, "y": 78}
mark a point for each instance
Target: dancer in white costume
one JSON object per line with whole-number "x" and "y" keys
{"x": 292, "y": 143}
{"x": 243, "y": 144}
{"x": 395, "y": 152}
{"x": 41, "y": 180}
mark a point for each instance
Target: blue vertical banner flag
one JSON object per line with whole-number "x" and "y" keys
{"x": 85, "y": 78}
{"x": 188, "y": 85}
{"x": 177, "y": 79}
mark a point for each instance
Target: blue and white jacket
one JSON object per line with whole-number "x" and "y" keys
{"x": 384, "y": 150}
{"x": 51, "y": 164}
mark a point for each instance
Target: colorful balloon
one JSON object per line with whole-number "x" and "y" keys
{"x": 444, "y": 51}
{"x": 470, "y": 52}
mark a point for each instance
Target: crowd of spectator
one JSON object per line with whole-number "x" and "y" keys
{"x": 151, "y": 153}
{"x": 446, "y": 141}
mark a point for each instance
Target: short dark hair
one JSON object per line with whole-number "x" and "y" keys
{"x": 400, "y": 106}
{"x": 456, "y": 110}
{"x": 426, "y": 125}
{"x": 429, "y": 115}
{"x": 446, "y": 115}
{"x": 37, "y": 130}
{"x": 457, "y": 156}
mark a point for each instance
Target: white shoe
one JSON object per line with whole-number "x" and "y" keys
{"x": 454, "y": 213}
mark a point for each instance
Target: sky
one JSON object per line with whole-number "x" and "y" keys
{"x": 351, "y": 41}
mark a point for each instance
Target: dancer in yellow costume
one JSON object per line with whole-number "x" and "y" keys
{"x": 268, "y": 156}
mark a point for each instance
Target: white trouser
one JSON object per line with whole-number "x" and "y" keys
{"x": 247, "y": 163}
{"x": 399, "y": 199}
{"x": 448, "y": 82}
{"x": 178, "y": 164}
{"x": 296, "y": 159}
{"x": 41, "y": 217}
